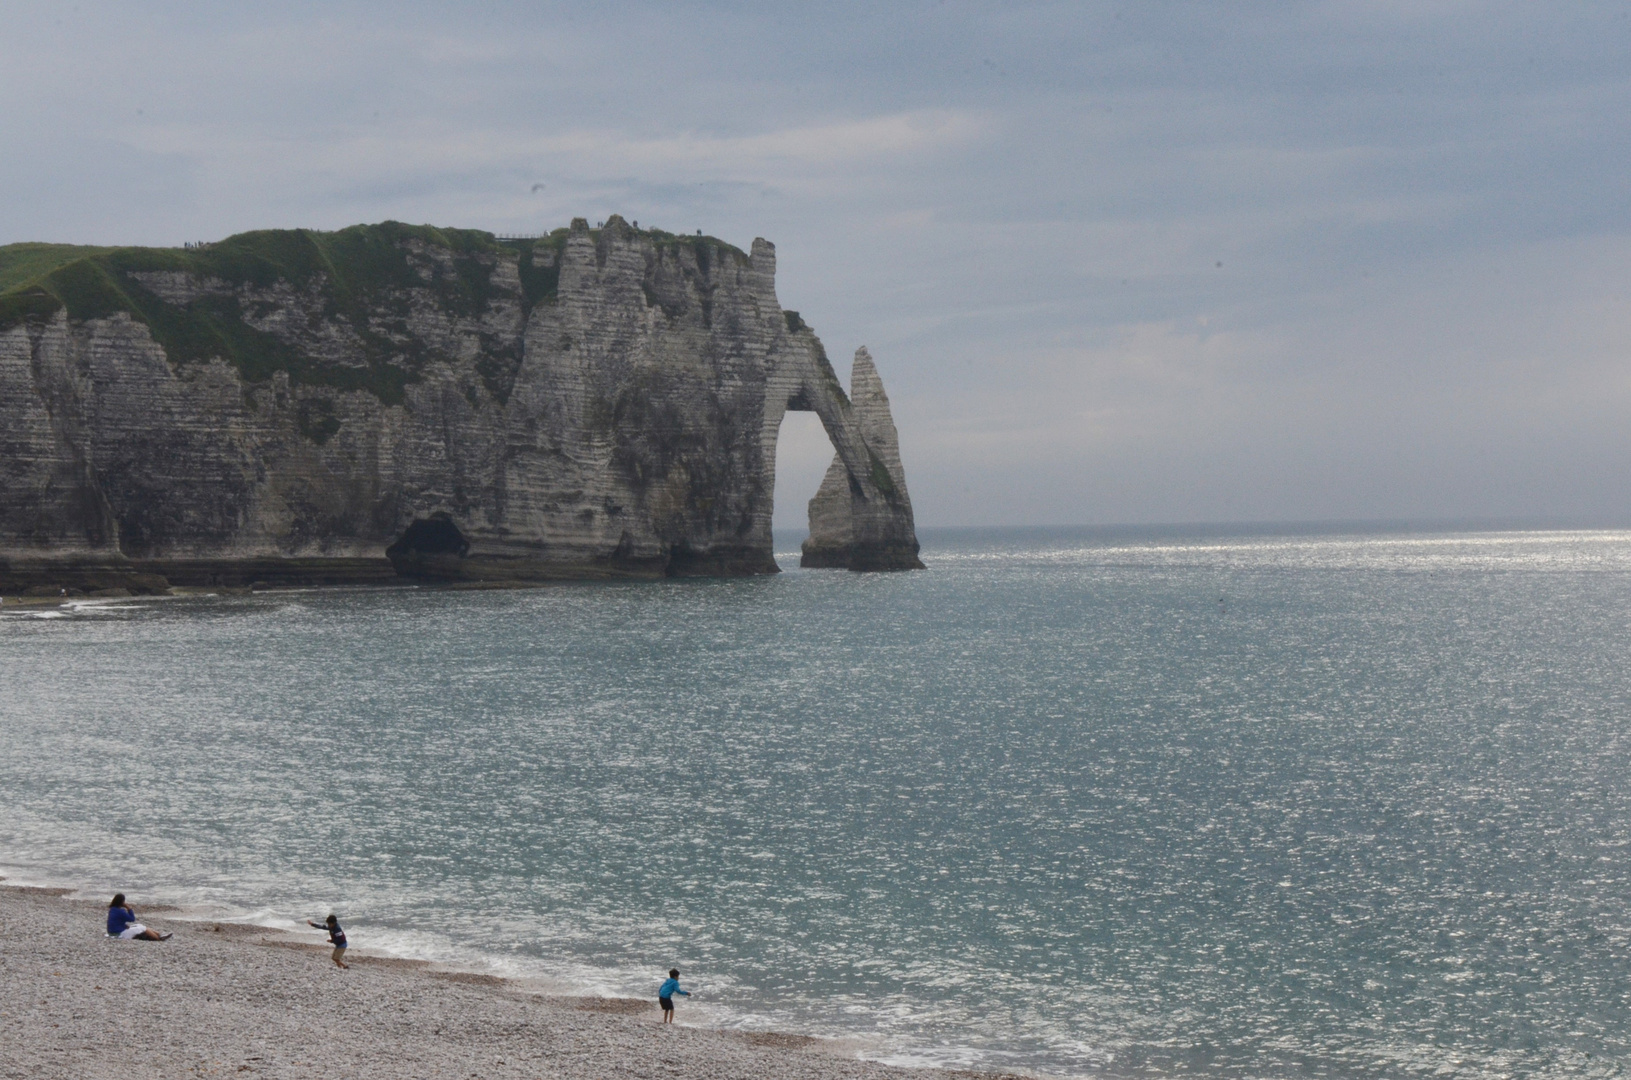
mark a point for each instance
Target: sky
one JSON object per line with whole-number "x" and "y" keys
{"x": 1117, "y": 263}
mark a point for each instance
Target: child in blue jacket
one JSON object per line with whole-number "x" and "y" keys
{"x": 666, "y": 992}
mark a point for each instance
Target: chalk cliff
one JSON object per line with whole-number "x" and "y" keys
{"x": 864, "y": 534}
{"x": 388, "y": 400}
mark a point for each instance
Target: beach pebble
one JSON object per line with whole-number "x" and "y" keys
{"x": 220, "y": 1000}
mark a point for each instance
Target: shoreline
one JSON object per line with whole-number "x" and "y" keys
{"x": 82, "y": 574}
{"x": 236, "y": 998}
{"x": 58, "y": 594}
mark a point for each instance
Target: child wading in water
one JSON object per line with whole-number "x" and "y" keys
{"x": 336, "y": 937}
{"x": 666, "y": 992}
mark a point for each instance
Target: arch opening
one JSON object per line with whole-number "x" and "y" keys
{"x": 803, "y": 453}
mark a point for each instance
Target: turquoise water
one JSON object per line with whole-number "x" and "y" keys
{"x": 1080, "y": 803}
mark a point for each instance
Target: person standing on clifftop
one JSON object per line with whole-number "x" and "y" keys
{"x": 666, "y": 992}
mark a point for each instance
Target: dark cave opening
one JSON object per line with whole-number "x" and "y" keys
{"x": 429, "y": 536}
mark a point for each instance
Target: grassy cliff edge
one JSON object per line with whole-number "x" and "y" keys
{"x": 355, "y": 274}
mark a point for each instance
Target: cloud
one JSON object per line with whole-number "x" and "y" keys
{"x": 1421, "y": 215}
{"x": 358, "y": 154}
{"x": 828, "y": 145}
{"x": 1487, "y": 397}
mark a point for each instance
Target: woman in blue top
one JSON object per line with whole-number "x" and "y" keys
{"x": 122, "y": 923}
{"x": 666, "y": 992}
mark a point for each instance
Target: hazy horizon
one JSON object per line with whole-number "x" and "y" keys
{"x": 1117, "y": 264}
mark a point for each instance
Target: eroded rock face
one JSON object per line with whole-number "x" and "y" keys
{"x": 864, "y": 532}
{"x": 599, "y": 403}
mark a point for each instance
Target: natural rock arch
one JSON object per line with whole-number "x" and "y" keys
{"x": 295, "y": 407}
{"x": 861, "y": 517}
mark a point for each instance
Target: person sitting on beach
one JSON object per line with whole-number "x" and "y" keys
{"x": 666, "y": 992}
{"x": 336, "y": 937}
{"x": 122, "y": 923}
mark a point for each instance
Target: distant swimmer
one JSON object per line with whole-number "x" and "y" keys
{"x": 122, "y": 922}
{"x": 336, "y": 937}
{"x": 666, "y": 992}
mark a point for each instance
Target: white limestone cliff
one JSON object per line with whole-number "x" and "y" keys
{"x": 862, "y": 530}
{"x": 601, "y": 403}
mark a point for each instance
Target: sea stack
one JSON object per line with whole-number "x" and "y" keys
{"x": 389, "y": 401}
{"x": 864, "y": 530}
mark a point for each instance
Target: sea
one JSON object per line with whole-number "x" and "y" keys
{"x": 1223, "y": 802}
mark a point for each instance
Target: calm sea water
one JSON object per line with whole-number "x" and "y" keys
{"x": 1076, "y": 803}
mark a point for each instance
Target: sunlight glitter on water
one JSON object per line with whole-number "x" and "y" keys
{"x": 1048, "y": 805}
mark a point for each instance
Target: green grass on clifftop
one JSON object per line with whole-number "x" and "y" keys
{"x": 22, "y": 263}
{"x": 362, "y": 275}
{"x": 365, "y": 276}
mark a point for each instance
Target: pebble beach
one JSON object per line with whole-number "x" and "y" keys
{"x": 224, "y": 999}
